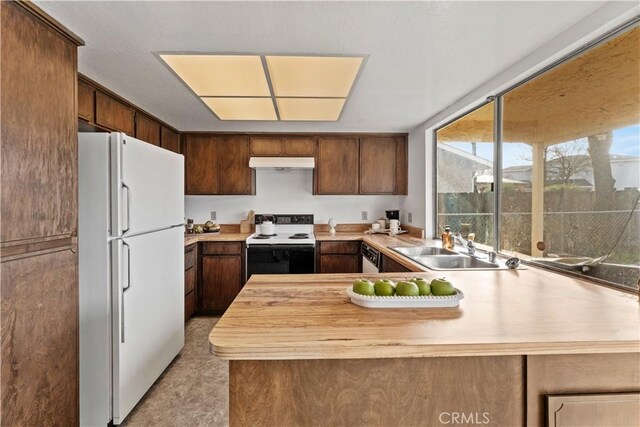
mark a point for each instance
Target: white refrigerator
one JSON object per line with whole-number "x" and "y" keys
{"x": 131, "y": 267}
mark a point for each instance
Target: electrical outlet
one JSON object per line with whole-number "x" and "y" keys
{"x": 410, "y": 217}
{"x": 214, "y": 215}
{"x": 365, "y": 215}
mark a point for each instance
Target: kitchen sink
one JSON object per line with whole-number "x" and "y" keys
{"x": 437, "y": 258}
{"x": 418, "y": 251}
{"x": 454, "y": 262}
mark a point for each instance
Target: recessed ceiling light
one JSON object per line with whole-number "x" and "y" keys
{"x": 221, "y": 75}
{"x": 239, "y": 87}
{"x": 310, "y": 109}
{"x": 242, "y": 108}
{"x": 313, "y": 76}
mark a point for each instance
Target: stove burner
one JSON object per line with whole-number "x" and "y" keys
{"x": 264, "y": 236}
{"x": 300, "y": 236}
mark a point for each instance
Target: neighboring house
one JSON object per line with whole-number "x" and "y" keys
{"x": 624, "y": 169}
{"x": 458, "y": 169}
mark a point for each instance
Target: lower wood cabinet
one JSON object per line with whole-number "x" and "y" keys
{"x": 388, "y": 265}
{"x": 604, "y": 409}
{"x": 339, "y": 257}
{"x": 40, "y": 339}
{"x": 190, "y": 280}
{"x": 590, "y": 385}
{"x": 222, "y": 275}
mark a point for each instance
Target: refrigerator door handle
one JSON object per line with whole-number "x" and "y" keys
{"x": 128, "y": 207}
{"x": 124, "y": 289}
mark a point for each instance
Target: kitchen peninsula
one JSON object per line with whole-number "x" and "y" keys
{"x": 301, "y": 353}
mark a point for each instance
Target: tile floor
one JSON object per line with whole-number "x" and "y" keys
{"x": 192, "y": 391}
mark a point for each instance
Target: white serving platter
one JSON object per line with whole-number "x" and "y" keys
{"x": 429, "y": 301}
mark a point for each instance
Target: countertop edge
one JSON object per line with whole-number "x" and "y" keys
{"x": 441, "y": 350}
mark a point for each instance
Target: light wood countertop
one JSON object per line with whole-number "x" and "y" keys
{"x": 507, "y": 312}
{"x": 190, "y": 239}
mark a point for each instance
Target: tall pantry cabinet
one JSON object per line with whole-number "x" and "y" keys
{"x": 38, "y": 202}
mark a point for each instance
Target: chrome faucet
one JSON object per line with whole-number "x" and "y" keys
{"x": 469, "y": 244}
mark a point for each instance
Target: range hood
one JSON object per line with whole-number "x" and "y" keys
{"x": 282, "y": 163}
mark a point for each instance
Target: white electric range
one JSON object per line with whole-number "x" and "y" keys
{"x": 289, "y": 250}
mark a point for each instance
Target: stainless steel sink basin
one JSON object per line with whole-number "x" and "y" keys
{"x": 418, "y": 251}
{"x": 436, "y": 258}
{"x": 454, "y": 262}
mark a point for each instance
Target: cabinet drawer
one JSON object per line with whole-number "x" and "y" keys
{"x": 227, "y": 248}
{"x": 189, "y": 280}
{"x": 189, "y": 305}
{"x": 340, "y": 247}
{"x": 189, "y": 259}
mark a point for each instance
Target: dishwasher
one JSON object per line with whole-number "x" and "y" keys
{"x": 370, "y": 259}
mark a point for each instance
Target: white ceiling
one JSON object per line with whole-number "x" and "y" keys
{"x": 423, "y": 56}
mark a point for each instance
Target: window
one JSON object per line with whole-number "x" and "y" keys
{"x": 465, "y": 175}
{"x": 570, "y": 165}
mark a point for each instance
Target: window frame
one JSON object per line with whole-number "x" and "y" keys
{"x": 498, "y": 100}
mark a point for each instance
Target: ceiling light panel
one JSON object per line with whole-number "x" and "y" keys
{"x": 313, "y": 76}
{"x": 242, "y": 108}
{"x": 310, "y": 109}
{"x": 221, "y": 75}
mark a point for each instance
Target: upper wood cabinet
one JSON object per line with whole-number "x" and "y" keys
{"x": 114, "y": 115}
{"x": 86, "y": 101}
{"x": 292, "y": 146}
{"x": 201, "y": 157}
{"x": 234, "y": 174}
{"x": 266, "y": 146}
{"x": 39, "y": 130}
{"x": 170, "y": 140}
{"x": 147, "y": 129}
{"x": 218, "y": 165}
{"x": 300, "y": 147}
{"x": 383, "y": 165}
{"x": 336, "y": 170}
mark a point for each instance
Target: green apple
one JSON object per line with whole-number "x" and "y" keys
{"x": 423, "y": 285}
{"x": 442, "y": 286}
{"x": 407, "y": 289}
{"x": 385, "y": 288}
{"x": 363, "y": 287}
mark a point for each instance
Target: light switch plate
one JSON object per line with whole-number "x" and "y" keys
{"x": 365, "y": 215}
{"x": 214, "y": 215}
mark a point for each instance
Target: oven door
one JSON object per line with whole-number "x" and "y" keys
{"x": 280, "y": 259}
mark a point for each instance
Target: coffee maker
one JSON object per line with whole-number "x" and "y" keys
{"x": 395, "y": 214}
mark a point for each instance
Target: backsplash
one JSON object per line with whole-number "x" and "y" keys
{"x": 290, "y": 193}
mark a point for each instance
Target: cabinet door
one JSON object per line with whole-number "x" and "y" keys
{"x": 221, "y": 281}
{"x": 201, "y": 156}
{"x": 147, "y": 130}
{"x": 337, "y": 168}
{"x": 266, "y": 146}
{"x": 234, "y": 174}
{"x": 390, "y": 266}
{"x": 300, "y": 147}
{"x": 40, "y": 339}
{"x": 170, "y": 140}
{"x": 336, "y": 263}
{"x": 39, "y": 130}
{"x": 86, "y": 101}
{"x": 606, "y": 410}
{"x": 378, "y": 165}
{"x": 114, "y": 115}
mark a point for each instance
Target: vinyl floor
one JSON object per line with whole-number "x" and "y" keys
{"x": 192, "y": 391}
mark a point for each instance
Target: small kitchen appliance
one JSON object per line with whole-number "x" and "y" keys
{"x": 395, "y": 214}
{"x": 289, "y": 248}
